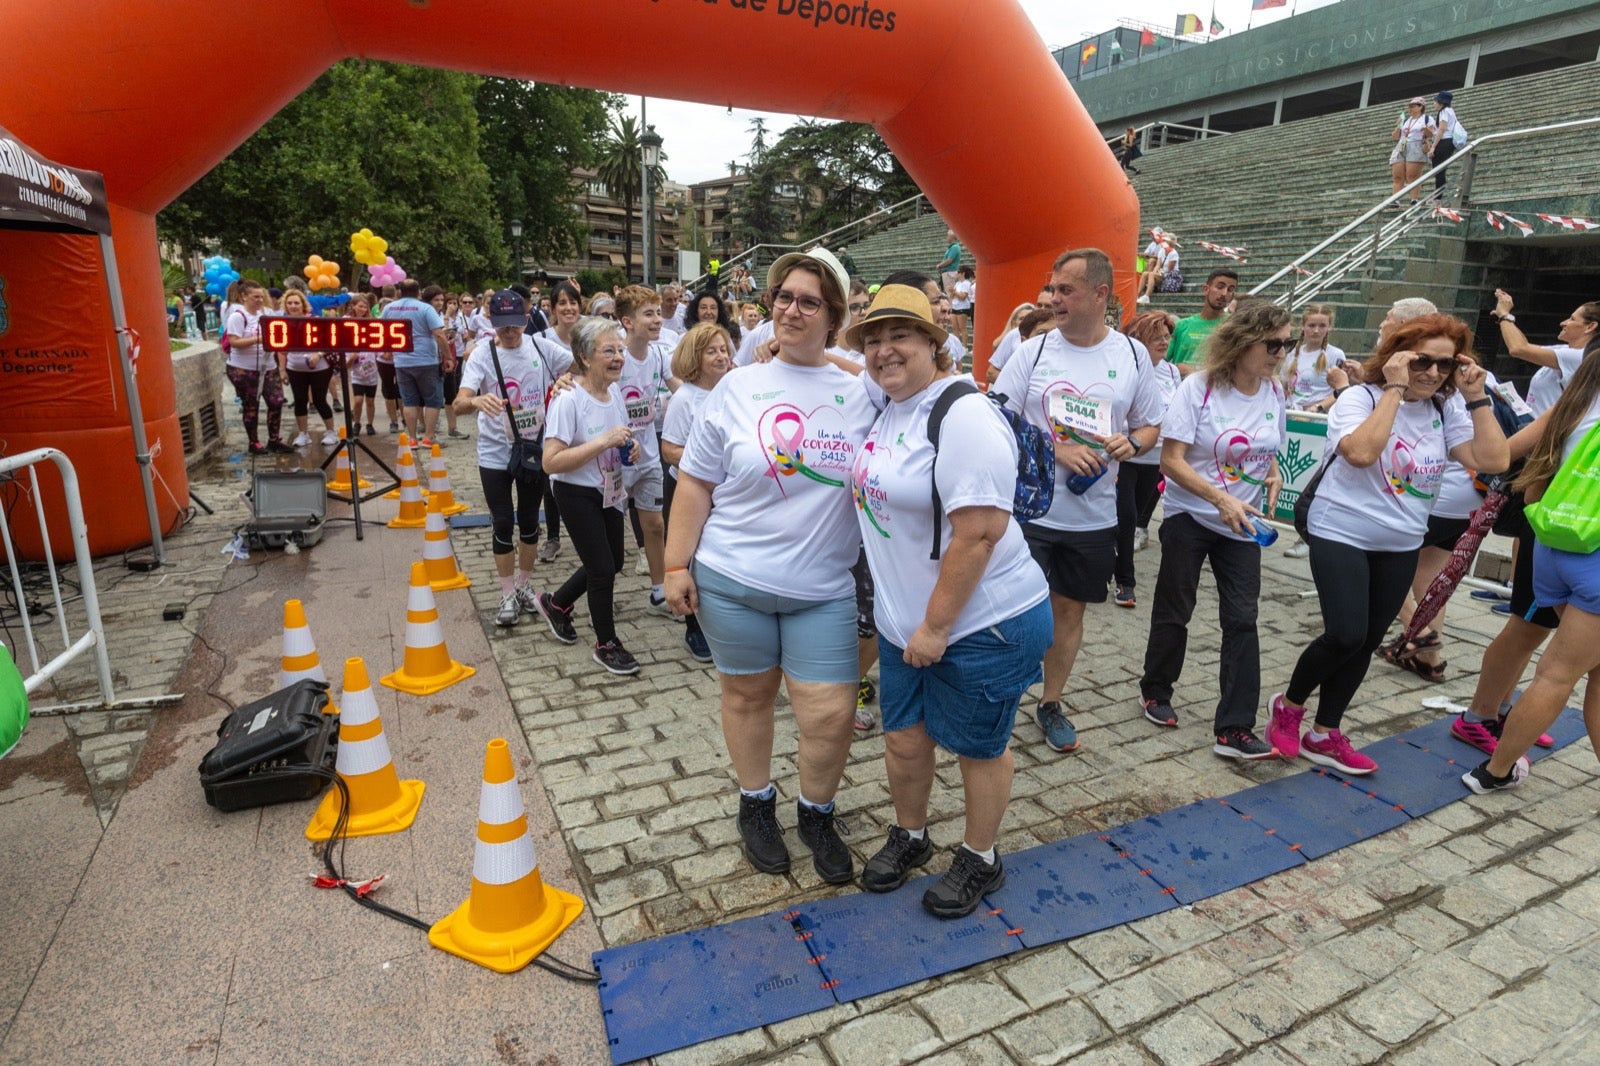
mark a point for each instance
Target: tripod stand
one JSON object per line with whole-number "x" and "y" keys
{"x": 351, "y": 443}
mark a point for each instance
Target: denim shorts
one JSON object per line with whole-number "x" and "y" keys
{"x": 420, "y": 386}
{"x": 751, "y": 631}
{"x": 1566, "y": 577}
{"x": 967, "y": 701}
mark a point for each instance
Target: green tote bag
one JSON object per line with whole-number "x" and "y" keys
{"x": 1568, "y": 517}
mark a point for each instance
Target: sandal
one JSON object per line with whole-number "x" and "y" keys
{"x": 1430, "y": 672}
{"x": 1402, "y": 652}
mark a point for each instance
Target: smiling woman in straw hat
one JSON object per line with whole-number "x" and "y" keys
{"x": 962, "y": 627}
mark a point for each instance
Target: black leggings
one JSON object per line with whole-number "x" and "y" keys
{"x": 552, "y": 512}
{"x": 497, "y": 494}
{"x": 1137, "y": 494}
{"x": 1361, "y": 593}
{"x": 310, "y": 388}
{"x": 596, "y": 533}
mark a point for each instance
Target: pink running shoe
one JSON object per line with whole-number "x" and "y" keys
{"x": 1337, "y": 753}
{"x": 1478, "y": 734}
{"x": 1283, "y": 727}
{"x": 1545, "y": 739}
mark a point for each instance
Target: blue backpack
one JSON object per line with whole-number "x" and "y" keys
{"x": 1036, "y": 461}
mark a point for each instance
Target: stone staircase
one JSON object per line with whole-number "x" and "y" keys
{"x": 1280, "y": 190}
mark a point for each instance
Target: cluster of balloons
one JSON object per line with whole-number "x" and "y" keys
{"x": 368, "y": 250}
{"x": 322, "y": 273}
{"x": 387, "y": 272}
{"x": 219, "y": 274}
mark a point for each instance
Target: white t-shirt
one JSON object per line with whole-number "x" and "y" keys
{"x": 753, "y": 339}
{"x": 893, "y": 488}
{"x": 1458, "y": 497}
{"x": 1232, "y": 440}
{"x": 576, "y": 418}
{"x": 241, "y": 323}
{"x": 1590, "y": 419}
{"x": 1168, "y": 378}
{"x": 641, "y": 385}
{"x": 363, "y": 368}
{"x": 1109, "y": 385}
{"x": 1308, "y": 385}
{"x": 1544, "y": 389}
{"x": 1005, "y": 349}
{"x": 961, "y": 297}
{"x": 528, "y": 380}
{"x": 953, "y": 345}
{"x": 777, "y": 442}
{"x": 682, "y": 415}
{"x": 1385, "y": 506}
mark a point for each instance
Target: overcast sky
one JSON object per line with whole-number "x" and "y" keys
{"x": 700, "y": 140}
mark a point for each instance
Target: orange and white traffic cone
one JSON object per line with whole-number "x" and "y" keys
{"x": 427, "y": 667}
{"x": 379, "y": 801}
{"x": 402, "y": 449}
{"x": 300, "y": 659}
{"x": 341, "y": 470}
{"x": 439, "y": 485}
{"x": 438, "y": 555}
{"x": 511, "y": 915}
{"x": 413, "y": 515}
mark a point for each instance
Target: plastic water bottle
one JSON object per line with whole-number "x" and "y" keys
{"x": 625, "y": 454}
{"x": 1264, "y": 534}
{"x": 1078, "y": 484}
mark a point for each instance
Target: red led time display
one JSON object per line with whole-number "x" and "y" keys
{"x": 283, "y": 334}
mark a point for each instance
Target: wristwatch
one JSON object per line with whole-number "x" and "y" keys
{"x": 1498, "y": 317}
{"x": 1481, "y": 401}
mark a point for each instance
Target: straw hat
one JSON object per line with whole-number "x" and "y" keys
{"x": 818, "y": 255}
{"x": 897, "y": 301}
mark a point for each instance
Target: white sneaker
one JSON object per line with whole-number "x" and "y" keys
{"x": 1300, "y": 550}
{"x": 1143, "y": 300}
{"x": 642, "y": 565}
{"x": 510, "y": 610}
{"x": 302, "y": 441}
{"x": 329, "y": 439}
{"x": 528, "y": 598}
{"x": 660, "y": 607}
{"x": 1141, "y": 537}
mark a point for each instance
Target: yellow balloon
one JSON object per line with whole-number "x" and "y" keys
{"x": 366, "y": 233}
{"x": 379, "y": 248}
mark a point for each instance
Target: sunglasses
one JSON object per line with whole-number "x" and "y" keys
{"x": 1275, "y": 346}
{"x": 809, "y": 305}
{"x": 608, "y": 314}
{"x": 1443, "y": 366}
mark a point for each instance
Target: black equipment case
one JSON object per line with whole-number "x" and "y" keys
{"x": 284, "y": 733}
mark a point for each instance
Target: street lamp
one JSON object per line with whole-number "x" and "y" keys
{"x": 650, "y": 153}
{"x": 516, "y": 240}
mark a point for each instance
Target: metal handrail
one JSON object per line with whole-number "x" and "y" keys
{"x": 1144, "y": 133}
{"x": 1467, "y": 159}
{"x": 877, "y": 218}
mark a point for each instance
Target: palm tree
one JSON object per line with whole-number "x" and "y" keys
{"x": 621, "y": 171}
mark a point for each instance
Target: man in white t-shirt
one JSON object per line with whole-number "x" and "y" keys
{"x": 1093, "y": 390}
{"x": 647, "y": 368}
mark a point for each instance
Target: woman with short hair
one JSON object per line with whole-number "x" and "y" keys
{"x": 760, "y": 546}
{"x": 1389, "y": 440}
{"x": 962, "y": 628}
{"x": 1219, "y": 451}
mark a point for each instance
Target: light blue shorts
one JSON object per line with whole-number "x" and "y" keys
{"x": 1566, "y": 577}
{"x": 751, "y": 631}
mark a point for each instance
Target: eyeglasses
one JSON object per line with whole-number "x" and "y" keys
{"x": 1443, "y": 366}
{"x": 1275, "y": 346}
{"x": 608, "y": 314}
{"x": 809, "y": 305}
{"x": 856, "y": 309}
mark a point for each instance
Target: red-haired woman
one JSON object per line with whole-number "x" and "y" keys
{"x": 1389, "y": 440}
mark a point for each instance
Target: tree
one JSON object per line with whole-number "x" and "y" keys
{"x": 844, "y": 170}
{"x": 621, "y": 171}
{"x": 390, "y": 147}
{"x": 758, "y": 140}
{"x": 533, "y": 137}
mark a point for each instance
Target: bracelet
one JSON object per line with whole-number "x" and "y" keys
{"x": 1482, "y": 401}
{"x": 676, "y": 569}
{"x": 1396, "y": 385}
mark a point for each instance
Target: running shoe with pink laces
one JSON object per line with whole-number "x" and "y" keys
{"x": 1283, "y": 728}
{"x": 1337, "y": 753}
{"x": 1480, "y": 735}
{"x": 1545, "y": 739}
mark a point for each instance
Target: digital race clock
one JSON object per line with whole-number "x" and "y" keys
{"x": 285, "y": 334}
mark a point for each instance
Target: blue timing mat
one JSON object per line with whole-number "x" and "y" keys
{"x": 1203, "y": 849}
{"x": 1568, "y": 728}
{"x": 871, "y": 942}
{"x": 1317, "y": 813}
{"x": 1419, "y": 780}
{"x": 680, "y": 990}
{"x": 1074, "y": 887}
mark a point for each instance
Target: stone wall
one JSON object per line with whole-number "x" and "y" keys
{"x": 200, "y": 383}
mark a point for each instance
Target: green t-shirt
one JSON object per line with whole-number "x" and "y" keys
{"x": 953, "y": 254}
{"x": 1187, "y": 337}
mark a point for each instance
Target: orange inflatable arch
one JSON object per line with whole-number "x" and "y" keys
{"x": 153, "y": 93}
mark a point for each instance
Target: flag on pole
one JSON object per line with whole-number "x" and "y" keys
{"x": 1116, "y": 49}
{"x": 1149, "y": 38}
{"x": 1187, "y": 24}
{"x": 1262, "y": 5}
{"x": 1088, "y": 53}
{"x": 1216, "y": 27}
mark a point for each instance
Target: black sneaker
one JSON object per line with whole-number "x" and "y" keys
{"x": 1481, "y": 781}
{"x": 1237, "y": 742}
{"x": 760, "y": 835}
{"x": 888, "y": 870}
{"x": 559, "y": 621}
{"x": 614, "y": 657}
{"x": 866, "y": 692}
{"x": 828, "y": 853}
{"x": 958, "y": 893}
{"x": 695, "y": 641}
{"x": 1160, "y": 712}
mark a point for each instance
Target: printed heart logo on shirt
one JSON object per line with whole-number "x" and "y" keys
{"x": 865, "y": 486}
{"x": 1099, "y": 392}
{"x": 1232, "y": 451}
{"x": 1403, "y": 472}
{"x": 813, "y": 444}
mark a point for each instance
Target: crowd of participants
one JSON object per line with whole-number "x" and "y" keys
{"x": 777, "y": 458}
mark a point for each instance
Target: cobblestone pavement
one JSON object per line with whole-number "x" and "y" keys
{"x": 1469, "y": 936}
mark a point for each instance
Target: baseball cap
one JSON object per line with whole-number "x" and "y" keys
{"x": 507, "y": 308}
{"x": 831, "y": 267}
